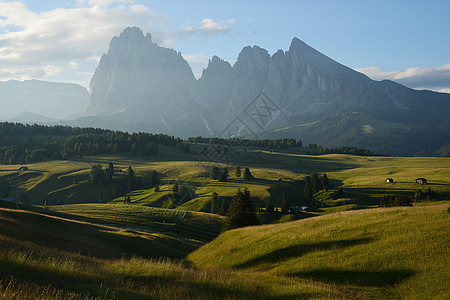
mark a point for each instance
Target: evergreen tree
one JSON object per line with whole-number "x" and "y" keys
{"x": 101, "y": 197}
{"x": 215, "y": 203}
{"x": 111, "y": 168}
{"x": 96, "y": 174}
{"x": 269, "y": 207}
{"x": 175, "y": 188}
{"x": 285, "y": 203}
{"x": 237, "y": 171}
{"x": 154, "y": 180}
{"x": 223, "y": 207}
{"x": 223, "y": 175}
{"x": 114, "y": 191}
{"x": 214, "y": 173}
{"x": 308, "y": 192}
{"x": 315, "y": 183}
{"x": 241, "y": 212}
{"x": 131, "y": 179}
{"x": 324, "y": 179}
{"x": 247, "y": 174}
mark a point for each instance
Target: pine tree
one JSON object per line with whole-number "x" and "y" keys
{"x": 114, "y": 191}
{"x": 223, "y": 207}
{"x": 237, "y": 171}
{"x": 214, "y": 173}
{"x": 269, "y": 207}
{"x": 315, "y": 183}
{"x": 324, "y": 179}
{"x": 101, "y": 197}
{"x": 154, "y": 180}
{"x": 241, "y": 212}
{"x": 285, "y": 203}
{"x": 223, "y": 175}
{"x": 247, "y": 174}
{"x": 214, "y": 203}
{"x": 308, "y": 192}
{"x": 131, "y": 179}
{"x": 111, "y": 168}
{"x": 175, "y": 188}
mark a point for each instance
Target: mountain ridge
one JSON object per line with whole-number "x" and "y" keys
{"x": 150, "y": 88}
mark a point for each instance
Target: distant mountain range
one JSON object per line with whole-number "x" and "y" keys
{"x": 299, "y": 93}
{"x": 41, "y": 101}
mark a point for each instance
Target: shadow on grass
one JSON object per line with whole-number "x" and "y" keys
{"x": 299, "y": 250}
{"x": 382, "y": 278}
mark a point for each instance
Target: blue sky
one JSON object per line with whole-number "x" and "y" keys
{"x": 406, "y": 41}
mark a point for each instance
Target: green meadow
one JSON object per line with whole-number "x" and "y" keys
{"x": 62, "y": 243}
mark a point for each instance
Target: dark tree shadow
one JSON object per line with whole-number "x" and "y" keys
{"x": 356, "y": 277}
{"x": 300, "y": 250}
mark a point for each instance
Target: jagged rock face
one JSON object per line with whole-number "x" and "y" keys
{"x": 137, "y": 82}
{"x": 146, "y": 87}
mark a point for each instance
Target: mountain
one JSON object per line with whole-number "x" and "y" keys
{"x": 297, "y": 93}
{"x": 49, "y": 99}
{"x": 27, "y": 117}
{"x": 141, "y": 86}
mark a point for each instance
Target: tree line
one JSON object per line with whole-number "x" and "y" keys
{"x": 21, "y": 144}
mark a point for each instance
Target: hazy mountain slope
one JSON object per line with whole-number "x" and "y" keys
{"x": 49, "y": 99}
{"x": 143, "y": 87}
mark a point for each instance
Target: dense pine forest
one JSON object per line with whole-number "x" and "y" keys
{"x": 32, "y": 143}
{"x": 21, "y": 143}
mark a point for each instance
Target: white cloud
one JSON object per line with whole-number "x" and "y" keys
{"x": 436, "y": 78}
{"x": 63, "y": 40}
{"x": 41, "y": 45}
{"x": 73, "y": 65}
{"x": 207, "y": 26}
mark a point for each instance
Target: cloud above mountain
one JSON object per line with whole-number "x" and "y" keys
{"x": 40, "y": 45}
{"x": 434, "y": 78}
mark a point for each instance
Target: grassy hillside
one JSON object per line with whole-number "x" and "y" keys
{"x": 47, "y": 257}
{"x": 196, "y": 226}
{"x": 362, "y": 178}
{"x": 378, "y": 253}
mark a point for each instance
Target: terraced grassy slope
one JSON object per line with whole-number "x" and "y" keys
{"x": 363, "y": 179}
{"x": 46, "y": 257}
{"x": 197, "y": 226}
{"x": 377, "y": 253}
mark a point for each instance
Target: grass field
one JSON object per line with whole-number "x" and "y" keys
{"x": 363, "y": 178}
{"x": 377, "y": 253}
{"x": 47, "y": 257}
{"x": 74, "y": 247}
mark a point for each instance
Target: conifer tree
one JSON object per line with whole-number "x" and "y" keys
{"x": 308, "y": 192}
{"x": 247, "y": 174}
{"x": 223, "y": 175}
{"x": 214, "y": 173}
{"x": 237, "y": 171}
{"x": 214, "y": 203}
{"x": 315, "y": 183}
{"x": 223, "y": 207}
{"x": 324, "y": 179}
{"x": 131, "y": 179}
{"x": 154, "y": 180}
{"x": 241, "y": 212}
{"x": 269, "y": 207}
{"x": 285, "y": 203}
